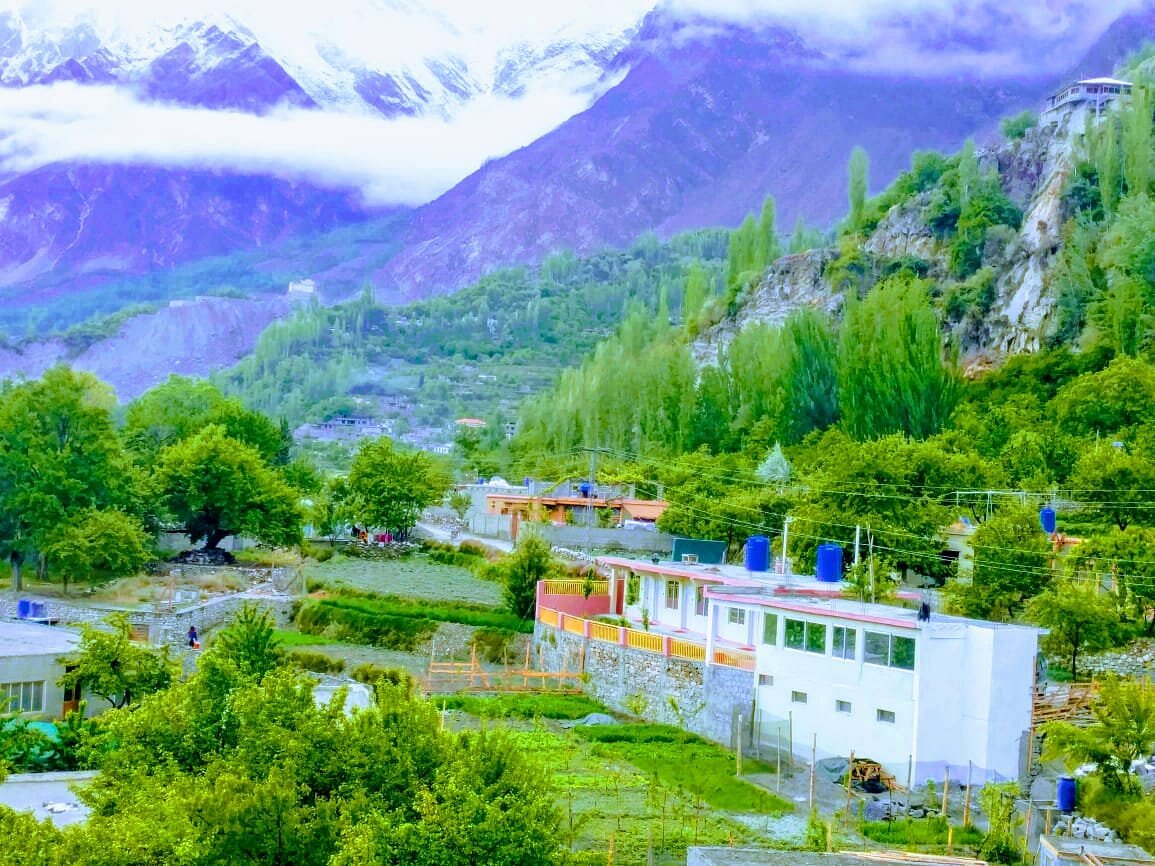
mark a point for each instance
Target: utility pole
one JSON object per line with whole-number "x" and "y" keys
{"x": 785, "y": 538}
{"x": 857, "y": 537}
{"x": 590, "y": 505}
{"x": 870, "y": 544}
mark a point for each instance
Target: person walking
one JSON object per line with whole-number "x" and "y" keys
{"x": 192, "y": 637}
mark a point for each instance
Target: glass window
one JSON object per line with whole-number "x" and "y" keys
{"x": 890, "y": 650}
{"x": 886, "y": 716}
{"x": 765, "y": 679}
{"x": 795, "y": 633}
{"x": 700, "y": 605}
{"x": 844, "y": 640}
{"x": 877, "y": 648}
{"x": 737, "y": 616}
{"x": 842, "y": 706}
{"x": 22, "y": 697}
{"x": 798, "y": 697}
{"x": 902, "y": 653}
{"x": 770, "y": 629}
{"x": 673, "y": 591}
{"x": 815, "y": 638}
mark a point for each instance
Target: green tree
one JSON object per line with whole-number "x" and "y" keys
{"x": 111, "y": 666}
{"x": 250, "y": 644}
{"x": 1124, "y": 559}
{"x": 59, "y": 457}
{"x": 1106, "y": 402}
{"x": 1136, "y": 119}
{"x": 1012, "y": 564}
{"x": 1017, "y": 127}
{"x": 97, "y": 546}
{"x": 389, "y": 488}
{"x": 1123, "y": 730}
{"x": 858, "y": 170}
{"x": 1079, "y": 616}
{"x": 694, "y": 297}
{"x": 531, "y": 561}
{"x": 997, "y": 800}
{"x": 1117, "y": 481}
{"x": 892, "y": 376}
{"x": 216, "y": 486}
{"x": 768, "y": 247}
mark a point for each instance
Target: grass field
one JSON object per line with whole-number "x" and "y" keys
{"x": 415, "y": 577}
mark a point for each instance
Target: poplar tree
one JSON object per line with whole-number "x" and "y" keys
{"x": 768, "y": 247}
{"x": 694, "y": 296}
{"x": 859, "y": 169}
{"x": 1137, "y": 141}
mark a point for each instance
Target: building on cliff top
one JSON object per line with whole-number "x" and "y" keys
{"x": 1092, "y": 92}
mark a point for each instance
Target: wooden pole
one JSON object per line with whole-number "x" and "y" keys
{"x": 967, "y": 801}
{"x": 909, "y": 775}
{"x": 849, "y": 779}
{"x": 779, "y": 760}
{"x": 610, "y": 856}
{"x": 946, "y": 792}
{"x": 738, "y": 754}
{"x": 813, "y": 758}
{"x": 1027, "y": 828}
{"x": 949, "y": 839}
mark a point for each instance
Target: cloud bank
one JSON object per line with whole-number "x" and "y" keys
{"x": 399, "y": 161}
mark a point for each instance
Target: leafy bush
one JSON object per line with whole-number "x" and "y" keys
{"x": 524, "y": 706}
{"x": 1017, "y": 127}
{"x": 922, "y": 831}
{"x": 371, "y": 674}
{"x": 316, "y": 662}
{"x": 492, "y": 644}
{"x": 318, "y": 552}
{"x": 355, "y": 623}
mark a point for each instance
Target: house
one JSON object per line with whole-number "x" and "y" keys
{"x": 1092, "y": 92}
{"x": 558, "y": 508}
{"x": 30, "y": 666}
{"x": 1069, "y": 851}
{"x": 923, "y": 697}
{"x": 344, "y": 427}
{"x": 730, "y": 856}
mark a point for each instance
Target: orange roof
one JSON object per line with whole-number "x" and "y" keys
{"x": 644, "y": 509}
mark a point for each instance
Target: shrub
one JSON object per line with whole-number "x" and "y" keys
{"x": 371, "y": 674}
{"x": 318, "y": 552}
{"x": 316, "y": 662}
{"x": 523, "y": 706}
{"x": 1017, "y": 127}
{"x": 492, "y": 644}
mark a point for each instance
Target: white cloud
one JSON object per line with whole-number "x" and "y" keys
{"x": 406, "y": 160}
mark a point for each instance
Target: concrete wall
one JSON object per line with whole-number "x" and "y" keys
{"x": 493, "y": 525}
{"x": 607, "y": 539}
{"x": 46, "y": 669}
{"x": 706, "y": 699}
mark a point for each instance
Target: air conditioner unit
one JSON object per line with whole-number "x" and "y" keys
{"x": 689, "y": 559}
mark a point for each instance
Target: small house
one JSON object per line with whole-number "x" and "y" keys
{"x": 30, "y": 666}
{"x": 1092, "y": 92}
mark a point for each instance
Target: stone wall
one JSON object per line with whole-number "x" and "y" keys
{"x": 598, "y": 538}
{"x": 705, "y": 699}
{"x": 1136, "y": 660}
{"x": 163, "y": 626}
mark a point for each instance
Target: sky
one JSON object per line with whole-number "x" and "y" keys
{"x": 412, "y": 160}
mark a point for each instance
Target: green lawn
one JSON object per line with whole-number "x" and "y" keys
{"x": 290, "y": 639}
{"x": 522, "y": 706}
{"x": 416, "y": 577}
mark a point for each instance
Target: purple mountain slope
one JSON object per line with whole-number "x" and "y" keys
{"x": 697, "y": 133}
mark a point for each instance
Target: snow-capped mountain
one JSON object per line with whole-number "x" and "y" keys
{"x": 386, "y": 56}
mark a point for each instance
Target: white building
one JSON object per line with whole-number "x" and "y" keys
{"x": 1093, "y": 92}
{"x": 869, "y": 678}
{"x": 30, "y": 666}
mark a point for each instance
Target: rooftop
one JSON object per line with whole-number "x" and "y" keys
{"x": 1104, "y": 81}
{"x": 18, "y": 638}
{"x": 764, "y": 857}
{"x": 1071, "y": 850}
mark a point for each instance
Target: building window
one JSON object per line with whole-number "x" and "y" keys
{"x": 798, "y": 697}
{"x": 842, "y": 707}
{"x": 765, "y": 679}
{"x": 809, "y": 636}
{"x": 886, "y": 716}
{"x": 22, "y": 697}
{"x": 889, "y": 650}
{"x": 770, "y": 629}
{"x": 673, "y": 591}
{"x": 701, "y": 606}
{"x": 815, "y": 638}
{"x": 844, "y": 641}
{"x": 736, "y": 616}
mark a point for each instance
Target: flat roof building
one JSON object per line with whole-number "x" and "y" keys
{"x": 30, "y": 666}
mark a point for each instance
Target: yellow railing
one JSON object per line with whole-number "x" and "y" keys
{"x": 549, "y": 617}
{"x": 687, "y": 649}
{"x": 734, "y": 659}
{"x": 604, "y": 632}
{"x": 574, "y": 624}
{"x": 644, "y": 640}
{"x": 574, "y": 587}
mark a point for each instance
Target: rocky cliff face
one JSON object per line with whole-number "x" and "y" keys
{"x": 1034, "y": 171}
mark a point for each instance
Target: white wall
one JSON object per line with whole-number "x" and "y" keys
{"x": 46, "y": 668}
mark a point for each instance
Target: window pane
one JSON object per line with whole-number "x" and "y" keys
{"x": 815, "y": 637}
{"x": 770, "y": 629}
{"x": 844, "y": 642}
{"x": 700, "y": 600}
{"x": 795, "y": 633}
{"x": 849, "y": 644}
{"x": 798, "y": 697}
{"x": 842, "y": 706}
{"x": 886, "y": 716}
{"x": 877, "y": 648}
{"x": 902, "y": 653}
{"x": 672, "y": 594}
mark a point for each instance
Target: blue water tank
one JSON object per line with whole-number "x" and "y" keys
{"x": 1047, "y": 519}
{"x": 23, "y": 608}
{"x": 758, "y": 553}
{"x": 585, "y": 487}
{"x": 829, "y": 566}
{"x": 1066, "y": 795}
{"x": 39, "y": 610}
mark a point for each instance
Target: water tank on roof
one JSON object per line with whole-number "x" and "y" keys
{"x": 1048, "y": 519}
{"x": 23, "y": 608}
{"x": 39, "y": 610}
{"x": 758, "y": 553}
{"x": 1066, "y": 794}
{"x": 585, "y": 487}
{"x": 828, "y": 568}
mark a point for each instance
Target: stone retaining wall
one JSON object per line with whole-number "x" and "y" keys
{"x": 705, "y": 699}
{"x": 1136, "y": 660}
{"x": 163, "y": 626}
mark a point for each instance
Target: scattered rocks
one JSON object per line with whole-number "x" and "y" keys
{"x": 1082, "y": 827}
{"x": 202, "y": 556}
